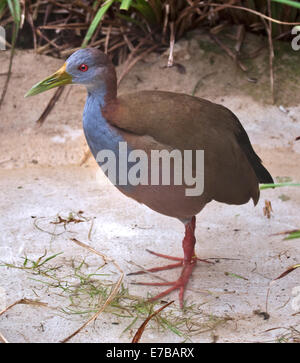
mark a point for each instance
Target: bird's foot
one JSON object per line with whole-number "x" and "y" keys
{"x": 187, "y": 263}
{"x": 179, "y": 284}
{"x": 166, "y": 267}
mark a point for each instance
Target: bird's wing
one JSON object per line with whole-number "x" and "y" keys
{"x": 174, "y": 119}
{"x": 188, "y": 123}
{"x": 178, "y": 120}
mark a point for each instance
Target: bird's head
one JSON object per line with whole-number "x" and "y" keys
{"x": 89, "y": 67}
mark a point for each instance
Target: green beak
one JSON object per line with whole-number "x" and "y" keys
{"x": 59, "y": 78}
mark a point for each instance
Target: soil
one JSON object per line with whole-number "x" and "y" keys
{"x": 40, "y": 178}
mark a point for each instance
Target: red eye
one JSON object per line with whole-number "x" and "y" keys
{"x": 83, "y": 67}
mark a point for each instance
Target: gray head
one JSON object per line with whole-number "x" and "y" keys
{"x": 89, "y": 67}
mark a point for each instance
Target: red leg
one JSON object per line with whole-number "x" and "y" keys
{"x": 172, "y": 258}
{"x": 188, "y": 263}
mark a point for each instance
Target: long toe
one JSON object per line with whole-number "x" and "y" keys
{"x": 180, "y": 284}
{"x": 157, "y": 269}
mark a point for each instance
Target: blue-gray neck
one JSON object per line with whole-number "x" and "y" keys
{"x": 103, "y": 138}
{"x": 98, "y": 132}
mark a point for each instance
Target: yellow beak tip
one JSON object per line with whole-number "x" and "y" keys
{"x": 59, "y": 78}
{"x": 27, "y": 94}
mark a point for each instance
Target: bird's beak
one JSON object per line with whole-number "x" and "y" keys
{"x": 59, "y": 78}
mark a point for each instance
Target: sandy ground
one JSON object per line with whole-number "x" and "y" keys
{"x": 40, "y": 177}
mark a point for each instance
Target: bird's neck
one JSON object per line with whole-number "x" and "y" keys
{"x": 98, "y": 132}
{"x": 102, "y": 137}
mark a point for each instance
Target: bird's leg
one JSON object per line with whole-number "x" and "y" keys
{"x": 188, "y": 263}
{"x": 166, "y": 267}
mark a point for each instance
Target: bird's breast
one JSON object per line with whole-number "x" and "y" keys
{"x": 98, "y": 132}
{"x": 107, "y": 145}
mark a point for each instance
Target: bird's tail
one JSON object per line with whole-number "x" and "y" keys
{"x": 261, "y": 172}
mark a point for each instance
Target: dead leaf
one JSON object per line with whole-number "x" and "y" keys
{"x": 289, "y": 270}
{"x": 267, "y": 209}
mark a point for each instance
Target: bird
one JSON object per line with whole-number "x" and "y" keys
{"x": 160, "y": 121}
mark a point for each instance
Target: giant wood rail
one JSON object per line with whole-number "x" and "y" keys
{"x": 156, "y": 120}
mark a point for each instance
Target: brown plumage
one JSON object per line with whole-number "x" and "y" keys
{"x": 155, "y": 120}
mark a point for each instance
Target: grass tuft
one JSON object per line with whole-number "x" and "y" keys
{"x": 84, "y": 289}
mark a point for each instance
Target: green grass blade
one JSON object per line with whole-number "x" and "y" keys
{"x": 293, "y": 235}
{"x": 125, "y": 5}
{"x": 98, "y": 17}
{"x": 295, "y": 4}
{"x": 11, "y": 8}
{"x": 17, "y": 7}
{"x": 145, "y": 9}
{"x": 15, "y": 10}
{"x": 171, "y": 327}
{"x": 278, "y": 185}
{"x": 41, "y": 263}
